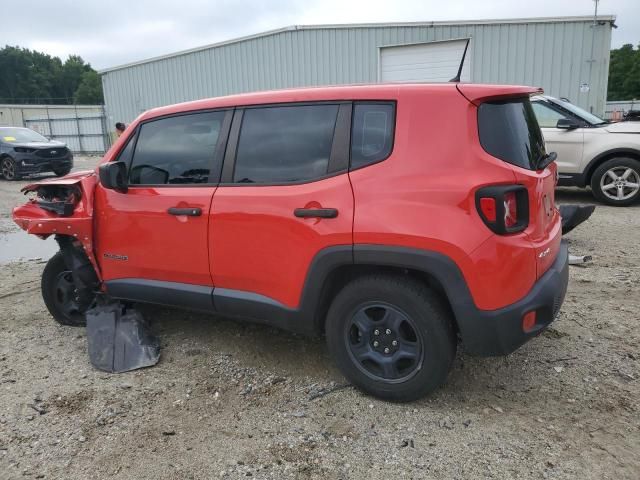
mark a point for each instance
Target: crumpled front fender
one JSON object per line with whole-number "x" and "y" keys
{"x": 34, "y": 219}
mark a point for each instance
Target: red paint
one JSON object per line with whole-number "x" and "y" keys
{"x": 422, "y": 196}
{"x": 259, "y": 246}
{"x": 158, "y": 246}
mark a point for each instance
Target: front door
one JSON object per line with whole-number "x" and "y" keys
{"x": 285, "y": 195}
{"x": 158, "y": 229}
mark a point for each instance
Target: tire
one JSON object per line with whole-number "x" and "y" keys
{"x": 8, "y": 169}
{"x": 61, "y": 172}
{"x": 58, "y": 293}
{"x": 617, "y": 182}
{"x": 391, "y": 308}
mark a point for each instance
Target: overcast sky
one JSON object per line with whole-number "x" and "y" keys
{"x": 110, "y": 33}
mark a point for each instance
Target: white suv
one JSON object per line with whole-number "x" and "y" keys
{"x": 591, "y": 151}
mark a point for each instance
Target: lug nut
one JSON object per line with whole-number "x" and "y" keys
{"x": 376, "y": 343}
{"x": 376, "y": 332}
{"x": 394, "y": 343}
{"x": 387, "y": 331}
{"x": 386, "y": 350}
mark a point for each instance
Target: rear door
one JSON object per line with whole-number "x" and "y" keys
{"x": 285, "y": 196}
{"x": 157, "y": 230}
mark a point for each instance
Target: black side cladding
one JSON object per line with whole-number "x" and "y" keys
{"x": 119, "y": 340}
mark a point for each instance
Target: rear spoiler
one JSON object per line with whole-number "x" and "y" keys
{"x": 478, "y": 93}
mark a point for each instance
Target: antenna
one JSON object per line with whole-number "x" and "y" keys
{"x": 464, "y": 54}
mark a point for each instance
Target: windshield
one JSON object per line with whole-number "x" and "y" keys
{"x": 20, "y": 135}
{"x": 508, "y": 130}
{"x": 588, "y": 117}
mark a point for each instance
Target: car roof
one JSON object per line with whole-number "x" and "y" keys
{"x": 379, "y": 91}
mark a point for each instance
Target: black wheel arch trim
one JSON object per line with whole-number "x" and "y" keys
{"x": 306, "y": 318}
{"x": 483, "y": 332}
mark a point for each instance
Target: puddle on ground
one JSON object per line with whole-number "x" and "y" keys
{"x": 19, "y": 246}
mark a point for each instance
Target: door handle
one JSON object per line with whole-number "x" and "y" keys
{"x": 316, "y": 212}
{"x": 190, "y": 211}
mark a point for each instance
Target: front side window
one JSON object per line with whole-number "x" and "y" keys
{"x": 508, "y": 130}
{"x": 372, "y": 133}
{"x": 285, "y": 144}
{"x": 176, "y": 150}
{"x": 547, "y": 116}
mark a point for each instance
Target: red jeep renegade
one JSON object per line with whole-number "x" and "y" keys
{"x": 394, "y": 219}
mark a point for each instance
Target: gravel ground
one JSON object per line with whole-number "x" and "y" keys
{"x": 232, "y": 400}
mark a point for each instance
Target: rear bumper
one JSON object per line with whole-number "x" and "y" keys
{"x": 499, "y": 332}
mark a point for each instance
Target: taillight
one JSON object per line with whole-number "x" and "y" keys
{"x": 503, "y": 208}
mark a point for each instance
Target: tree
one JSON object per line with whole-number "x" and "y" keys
{"x": 28, "y": 76}
{"x": 90, "y": 89}
{"x": 624, "y": 73}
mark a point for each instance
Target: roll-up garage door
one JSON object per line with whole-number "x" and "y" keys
{"x": 424, "y": 62}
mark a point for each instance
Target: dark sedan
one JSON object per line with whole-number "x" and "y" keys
{"x": 24, "y": 152}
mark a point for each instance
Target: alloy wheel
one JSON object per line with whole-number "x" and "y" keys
{"x": 620, "y": 183}
{"x": 8, "y": 169}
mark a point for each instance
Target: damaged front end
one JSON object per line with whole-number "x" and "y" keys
{"x": 64, "y": 208}
{"x": 118, "y": 338}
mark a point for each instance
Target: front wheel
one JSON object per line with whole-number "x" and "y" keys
{"x": 391, "y": 336}
{"x": 8, "y": 169}
{"x": 60, "y": 294}
{"x": 617, "y": 182}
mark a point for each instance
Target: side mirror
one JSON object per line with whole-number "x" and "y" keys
{"x": 113, "y": 175}
{"x": 567, "y": 124}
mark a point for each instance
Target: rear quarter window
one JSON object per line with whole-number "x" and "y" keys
{"x": 371, "y": 133}
{"x": 509, "y": 130}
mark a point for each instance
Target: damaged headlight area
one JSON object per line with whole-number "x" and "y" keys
{"x": 59, "y": 199}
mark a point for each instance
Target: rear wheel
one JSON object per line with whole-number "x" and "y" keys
{"x": 8, "y": 169}
{"x": 617, "y": 182}
{"x": 61, "y": 172}
{"x": 60, "y": 294}
{"x": 391, "y": 336}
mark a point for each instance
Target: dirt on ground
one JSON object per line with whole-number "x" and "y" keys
{"x": 236, "y": 400}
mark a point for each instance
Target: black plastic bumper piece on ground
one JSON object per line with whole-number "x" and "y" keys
{"x": 499, "y": 332}
{"x": 120, "y": 341}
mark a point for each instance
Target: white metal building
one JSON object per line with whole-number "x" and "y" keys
{"x": 567, "y": 56}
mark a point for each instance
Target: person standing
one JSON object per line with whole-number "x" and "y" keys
{"x": 120, "y": 128}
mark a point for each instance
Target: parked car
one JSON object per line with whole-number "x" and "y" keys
{"x": 591, "y": 151}
{"x": 25, "y": 152}
{"x": 392, "y": 218}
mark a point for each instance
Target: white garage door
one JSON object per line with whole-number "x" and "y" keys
{"x": 424, "y": 62}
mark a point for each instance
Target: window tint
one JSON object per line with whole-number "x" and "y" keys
{"x": 176, "y": 150}
{"x": 285, "y": 144}
{"x": 547, "y": 116}
{"x": 372, "y": 133}
{"x": 509, "y": 131}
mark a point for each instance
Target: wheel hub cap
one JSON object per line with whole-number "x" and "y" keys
{"x": 384, "y": 342}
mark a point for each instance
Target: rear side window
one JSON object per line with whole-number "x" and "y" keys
{"x": 285, "y": 144}
{"x": 176, "y": 150}
{"x": 509, "y": 131}
{"x": 372, "y": 133}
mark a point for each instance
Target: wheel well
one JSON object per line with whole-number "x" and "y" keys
{"x": 343, "y": 275}
{"x": 608, "y": 156}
